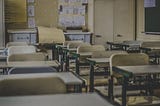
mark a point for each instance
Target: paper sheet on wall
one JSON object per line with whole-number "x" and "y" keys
{"x": 66, "y": 9}
{"x": 72, "y": 21}
{"x": 72, "y": 13}
{"x": 30, "y": 10}
{"x": 84, "y": 1}
{"x": 30, "y": 1}
{"x": 31, "y": 22}
{"x": 79, "y": 10}
{"x": 149, "y": 3}
{"x": 78, "y": 21}
{"x": 69, "y": 9}
{"x": 73, "y": 1}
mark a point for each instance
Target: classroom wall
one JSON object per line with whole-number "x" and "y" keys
{"x": 2, "y": 23}
{"x": 141, "y": 26}
{"x": 91, "y": 15}
{"x": 15, "y": 14}
{"x": 46, "y": 13}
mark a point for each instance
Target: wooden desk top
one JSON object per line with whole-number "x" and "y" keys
{"x": 68, "y": 77}
{"x": 99, "y": 60}
{"x": 53, "y": 63}
{"x": 137, "y": 70}
{"x": 154, "y": 48}
{"x": 55, "y": 100}
{"x": 85, "y": 53}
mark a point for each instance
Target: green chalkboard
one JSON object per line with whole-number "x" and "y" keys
{"x": 152, "y": 18}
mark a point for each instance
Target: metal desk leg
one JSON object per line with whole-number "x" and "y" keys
{"x": 91, "y": 86}
{"x": 53, "y": 53}
{"x": 77, "y": 65}
{"x": 77, "y": 88}
{"x": 110, "y": 89}
{"x": 124, "y": 88}
{"x": 67, "y": 62}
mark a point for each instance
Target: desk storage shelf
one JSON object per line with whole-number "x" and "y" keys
{"x": 83, "y": 36}
{"x": 23, "y": 35}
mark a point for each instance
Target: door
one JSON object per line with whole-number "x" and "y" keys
{"x": 124, "y": 20}
{"x": 103, "y": 21}
{"x": 2, "y": 39}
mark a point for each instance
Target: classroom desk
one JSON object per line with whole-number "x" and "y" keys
{"x": 59, "y": 52}
{"x": 93, "y": 62}
{"x": 67, "y": 52}
{"x": 132, "y": 46}
{"x": 55, "y": 100}
{"x": 53, "y": 63}
{"x": 49, "y": 46}
{"x": 115, "y": 45}
{"x": 151, "y": 73}
{"x": 153, "y": 52}
{"x": 146, "y": 49}
{"x": 77, "y": 56}
{"x": 69, "y": 78}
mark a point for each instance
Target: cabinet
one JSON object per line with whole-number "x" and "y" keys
{"x": 23, "y": 35}
{"x": 2, "y": 28}
{"x": 83, "y": 36}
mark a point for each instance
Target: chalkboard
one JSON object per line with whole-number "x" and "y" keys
{"x": 152, "y": 18}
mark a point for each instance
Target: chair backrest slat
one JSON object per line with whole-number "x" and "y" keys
{"x": 21, "y": 49}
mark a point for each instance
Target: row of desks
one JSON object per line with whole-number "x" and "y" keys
{"x": 41, "y": 100}
{"x": 7, "y": 65}
{"x": 69, "y": 78}
{"x": 85, "y": 99}
{"x": 127, "y": 72}
{"x": 136, "y": 46}
{"x": 151, "y": 79}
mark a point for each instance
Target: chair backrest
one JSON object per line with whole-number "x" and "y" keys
{"x": 90, "y": 48}
{"x": 74, "y": 44}
{"x": 50, "y": 35}
{"x": 21, "y": 49}
{"x": 27, "y": 57}
{"x": 16, "y": 44}
{"x": 97, "y": 48}
{"x": 25, "y": 70}
{"x": 130, "y": 59}
{"x": 106, "y": 54}
{"x": 31, "y": 86}
{"x": 67, "y": 42}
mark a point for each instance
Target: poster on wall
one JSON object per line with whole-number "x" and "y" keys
{"x": 72, "y": 13}
{"x": 31, "y": 10}
{"x": 31, "y": 22}
{"x": 30, "y": 1}
{"x": 149, "y": 3}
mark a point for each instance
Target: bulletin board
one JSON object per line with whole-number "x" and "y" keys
{"x": 15, "y": 11}
{"x": 31, "y": 13}
{"x": 72, "y": 13}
